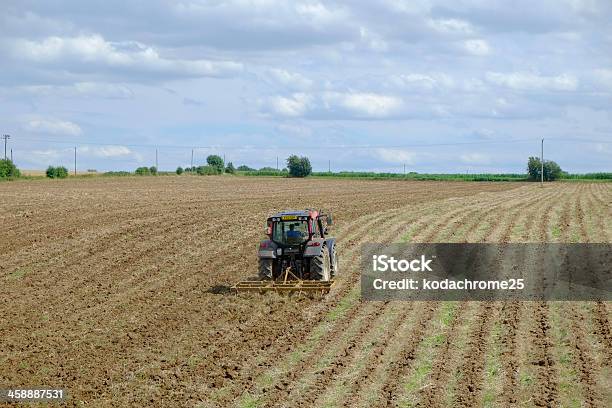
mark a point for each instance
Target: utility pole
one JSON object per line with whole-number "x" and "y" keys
{"x": 12, "y": 154}
{"x": 191, "y": 161}
{"x": 5, "y": 137}
{"x": 542, "y": 163}
{"x": 329, "y": 166}
{"x": 75, "y": 167}
{"x": 156, "y": 163}
{"x": 404, "y": 170}
{"x": 224, "y": 159}
{"x": 276, "y": 163}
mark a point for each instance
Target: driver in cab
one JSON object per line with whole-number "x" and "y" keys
{"x": 293, "y": 235}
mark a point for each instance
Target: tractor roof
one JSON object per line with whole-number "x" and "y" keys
{"x": 298, "y": 213}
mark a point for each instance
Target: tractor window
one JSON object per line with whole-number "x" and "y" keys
{"x": 290, "y": 232}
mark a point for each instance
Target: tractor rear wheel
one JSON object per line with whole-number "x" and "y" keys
{"x": 320, "y": 268}
{"x": 265, "y": 268}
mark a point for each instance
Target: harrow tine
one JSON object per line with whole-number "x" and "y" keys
{"x": 283, "y": 286}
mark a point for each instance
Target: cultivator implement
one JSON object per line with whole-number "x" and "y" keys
{"x": 288, "y": 284}
{"x": 284, "y": 286}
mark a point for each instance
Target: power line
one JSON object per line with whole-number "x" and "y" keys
{"x": 564, "y": 139}
{"x": 340, "y": 146}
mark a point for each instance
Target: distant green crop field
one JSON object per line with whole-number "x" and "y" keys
{"x": 588, "y": 176}
{"x": 425, "y": 176}
{"x": 430, "y": 176}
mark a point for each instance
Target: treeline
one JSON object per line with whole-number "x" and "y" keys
{"x": 301, "y": 167}
{"x": 296, "y": 167}
{"x": 214, "y": 166}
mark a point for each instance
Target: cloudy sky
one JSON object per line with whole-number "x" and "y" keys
{"x": 438, "y": 86}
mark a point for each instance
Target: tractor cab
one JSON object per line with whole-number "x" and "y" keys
{"x": 296, "y": 228}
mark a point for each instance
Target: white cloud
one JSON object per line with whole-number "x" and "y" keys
{"x": 291, "y": 80}
{"x": 415, "y": 7}
{"x": 604, "y": 77}
{"x": 105, "y": 151}
{"x": 294, "y": 129}
{"x": 364, "y": 104}
{"x": 526, "y": 81}
{"x": 53, "y": 126}
{"x": 47, "y": 154}
{"x": 43, "y": 157}
{"x": 80, "y": 89}
{"x": 477, "y": 47}
{"x": 103, "y": 90}
{"x": 421, "y": 81}
{"x": 296, "y": 105}
{"x": 475, "y": 158}
{"x": 345, "y": 105}
{"x": 94, "y": 51}
{"x": 257, "y": 24}
{"x": 395, "y": 156}
{"x": 451, "y": 26}
{"x": 315, "y": 12}
{"x": 586, "y": 6}
{"x": 373, "y": 41}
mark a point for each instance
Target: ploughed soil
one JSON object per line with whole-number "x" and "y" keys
{"x": 118, "y": 290}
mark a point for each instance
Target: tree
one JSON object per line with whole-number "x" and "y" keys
{"x": 245, "y": 168}
{"x": 206, "y": 170}
{"x": 298, "y": 166}
{"x": 153, "y": 170}
{"x": 61, "y": 172}
{"x": 230, "y": 168}
{"x": 143, "y": 171}
{"x": 552, "y": 171}
{"x": 534, "y": 167}
{"x": 8, "y": 169}
{"x": 216, "y": 162}
{"x": 57, "y": 172}
{"x": 179, "y": 170}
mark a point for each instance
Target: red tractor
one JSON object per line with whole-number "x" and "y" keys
{"x": 298, "y": 254}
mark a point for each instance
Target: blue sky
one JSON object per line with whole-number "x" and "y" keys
{"x": 438, "y": 86}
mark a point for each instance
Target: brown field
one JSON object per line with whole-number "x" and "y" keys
{"x": 116, "y": 289}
